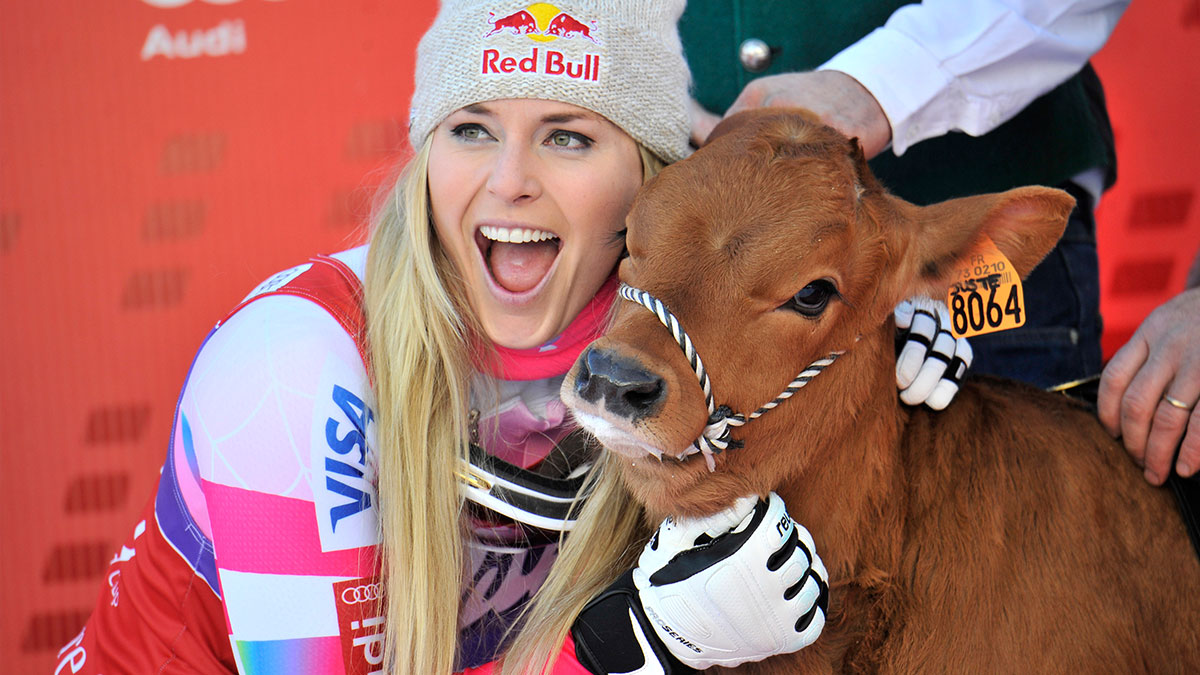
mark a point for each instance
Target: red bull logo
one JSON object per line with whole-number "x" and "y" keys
{"x": 542, "y": 22}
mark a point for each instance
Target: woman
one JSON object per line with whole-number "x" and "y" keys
{"x": 295, "y": 467}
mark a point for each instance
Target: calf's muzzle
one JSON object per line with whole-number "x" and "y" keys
{"x": 629, "y": 390}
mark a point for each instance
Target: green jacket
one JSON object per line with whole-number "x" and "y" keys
{"x": 1057, "y": 136}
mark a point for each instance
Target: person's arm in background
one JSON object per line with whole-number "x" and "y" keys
{"x": 1148, "y": 391}
{"x": 939, "y": 66}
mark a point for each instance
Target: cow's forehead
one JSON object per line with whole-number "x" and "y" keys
{"x": 744, "y": 215}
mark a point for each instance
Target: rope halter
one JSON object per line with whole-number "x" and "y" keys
{"x": 721, "y": 419}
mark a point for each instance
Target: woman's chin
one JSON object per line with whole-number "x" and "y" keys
{"x": 518, "y": 332}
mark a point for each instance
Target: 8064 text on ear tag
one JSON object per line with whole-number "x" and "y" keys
{"x": 986, "y": 295}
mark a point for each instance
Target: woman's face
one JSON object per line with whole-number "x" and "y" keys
{"x": 529, "y": 199}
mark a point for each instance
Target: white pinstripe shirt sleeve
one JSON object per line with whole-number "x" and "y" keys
{"x": 955, "y": 65}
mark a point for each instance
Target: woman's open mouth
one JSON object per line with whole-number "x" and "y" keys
{"x": 518, "y": 259}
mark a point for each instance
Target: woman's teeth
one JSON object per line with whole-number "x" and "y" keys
{"x": 515, "y": 235}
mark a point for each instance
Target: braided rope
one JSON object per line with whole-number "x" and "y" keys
{"x": 668, "y": 319}
{"x": 716, "y": 436}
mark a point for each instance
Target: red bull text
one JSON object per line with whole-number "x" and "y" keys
{"x": 550, "y": 62}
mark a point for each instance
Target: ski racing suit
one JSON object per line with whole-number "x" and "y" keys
{"x": 258, "y": 552}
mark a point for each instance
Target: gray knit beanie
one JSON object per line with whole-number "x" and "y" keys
{"x": 619, "y": 58}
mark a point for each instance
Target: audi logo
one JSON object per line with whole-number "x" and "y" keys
{"x": 364, "y": 593}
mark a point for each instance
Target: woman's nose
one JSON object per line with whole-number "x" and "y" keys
{"x": 514, "y": 174}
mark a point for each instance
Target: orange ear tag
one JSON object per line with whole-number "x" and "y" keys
{"x": 986, "y": 296}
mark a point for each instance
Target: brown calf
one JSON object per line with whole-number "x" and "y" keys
{"x": 1007, "y": 534}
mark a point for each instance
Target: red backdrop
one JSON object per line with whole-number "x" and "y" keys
{"x": 156, "y": 162}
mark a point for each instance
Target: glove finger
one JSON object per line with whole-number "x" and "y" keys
{"x": 811, "y": 622}
{"x": 908, "y": 364}
{"x": 812, "y": 631}
{"x": 963, "y": 350}
{"x": 806, "y": 543}
{"x": 942, "y": 394}
{"x": 804, "y": 593}
{"x": 925, "y": 324}
{"x": 922, "y": 386}
{"x": 936, "y": 361}
{"x": 790, "y": 575}
{"x": 904, "y": 314}
{"x": 810, "y": 603}
{"x": 917, "y": 343}
{"x": 814, "y": 560}
{"x": 803, "y": 554}
{"x": 777, "y": 528}
{"x": 947, "y": 387}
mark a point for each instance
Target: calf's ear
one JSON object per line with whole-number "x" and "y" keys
{"x": 1024, "y": 223}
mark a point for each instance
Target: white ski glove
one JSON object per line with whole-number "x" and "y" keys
{"x": 932, "y": 362}
{"x": 735, "y": 587}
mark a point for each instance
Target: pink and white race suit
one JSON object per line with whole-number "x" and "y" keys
{"x": 257, "y": 554}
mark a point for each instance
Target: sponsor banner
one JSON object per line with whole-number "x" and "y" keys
{"x": 226, "y": 38}
{"x": 542, "y": 40}
{"x": 343, "y": 468}
{"x": 148, "y": 196}
{"x": 360, "y": 621}
{"x": 551, "y": 63}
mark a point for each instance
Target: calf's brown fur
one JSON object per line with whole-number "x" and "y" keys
{"x": 1006, "y": 534}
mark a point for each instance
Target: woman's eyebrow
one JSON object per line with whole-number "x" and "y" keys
{"x": 560, "y": 118}
{"x": 478, "y": 109}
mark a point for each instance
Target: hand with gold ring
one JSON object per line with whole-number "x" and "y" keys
{"x": 1148, "y": 391}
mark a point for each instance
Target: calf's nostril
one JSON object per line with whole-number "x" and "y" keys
{"x": 643, "y": 396}
{"x": 628, "y": 389}
{"x": 583, "y": 382}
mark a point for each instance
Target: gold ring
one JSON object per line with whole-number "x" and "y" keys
{"x": 1176, "y": 402}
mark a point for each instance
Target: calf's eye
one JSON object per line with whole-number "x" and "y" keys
{"x": 813, "y": 298}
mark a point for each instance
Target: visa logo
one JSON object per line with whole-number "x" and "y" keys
{"x": 349, "y": 459}
{"x": 342, "y": 465}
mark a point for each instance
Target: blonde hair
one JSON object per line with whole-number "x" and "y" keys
{"x": 419, "y": 329}
{"x": 607, "y": 539}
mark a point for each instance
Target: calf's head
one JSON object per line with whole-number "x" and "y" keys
{"x": 773, "y": 246}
